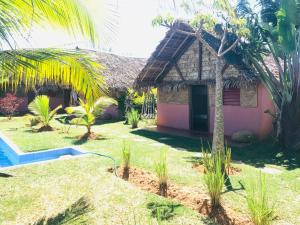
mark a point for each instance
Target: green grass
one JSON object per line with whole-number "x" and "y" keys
{"x": 50, "y": 189}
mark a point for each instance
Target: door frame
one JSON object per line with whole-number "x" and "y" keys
{"x": 191, "y": 126}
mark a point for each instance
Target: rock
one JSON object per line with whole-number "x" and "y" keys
{"x": 243, "y": 136}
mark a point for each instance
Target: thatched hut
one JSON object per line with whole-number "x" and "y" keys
{"x": 120, "y": 73}
{"x": 183, "y": 70}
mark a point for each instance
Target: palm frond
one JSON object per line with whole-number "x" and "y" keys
{"x": 66, "y": 68}
{"x": 20, "y": 15}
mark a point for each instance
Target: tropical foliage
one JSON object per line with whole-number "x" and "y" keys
{"x": 275, "y": 37}
{"x": 87, "y": 113}
{"x": 33, "y": 67}
{"x": 40, "y": 107}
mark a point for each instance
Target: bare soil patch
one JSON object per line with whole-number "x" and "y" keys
{"x": 201, "y": 168}
{"x": 190, "y": 197}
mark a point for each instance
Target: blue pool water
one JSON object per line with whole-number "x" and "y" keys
{"x": 10, "y": 155}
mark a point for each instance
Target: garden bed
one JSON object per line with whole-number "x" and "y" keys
{"x": 190, "y": 197}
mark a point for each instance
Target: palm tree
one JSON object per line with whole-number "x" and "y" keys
{"x": 31, "y": 67}
{"x": 40, "y": 107}
{"x": 87, "y": 113}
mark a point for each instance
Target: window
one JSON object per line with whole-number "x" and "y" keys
{"x": 231, "y": 96}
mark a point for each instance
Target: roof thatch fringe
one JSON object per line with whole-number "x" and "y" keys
{"x": 228, "y": 83}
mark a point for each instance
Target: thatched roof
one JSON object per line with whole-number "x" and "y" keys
{"x": 173, "y": 46}
{"x": 120, "y": 72}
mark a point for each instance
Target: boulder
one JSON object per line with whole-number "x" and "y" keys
{"x": 243, "y": 136}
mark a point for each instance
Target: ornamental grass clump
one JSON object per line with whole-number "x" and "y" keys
{"x": 126, "y": 156}
{"x": 227, "y": 160}
{"x": 162, "y": 173}
{"x": 214, "y": 179}
{"x": 259, "y": 206}
{"x": 133, "y": 118}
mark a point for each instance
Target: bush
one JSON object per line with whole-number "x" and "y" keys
{"x": 261, "y": 211}
{"x": 133, "y": 118}
{"x": 10, "y": 104}
{"x": 126, "y": 155}
{"x": 162, "y": 173}
{"x": 214, "y": 179}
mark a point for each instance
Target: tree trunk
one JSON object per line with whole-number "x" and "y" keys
{"x": 218, "y": 134}
{"x": 89, "y": 130}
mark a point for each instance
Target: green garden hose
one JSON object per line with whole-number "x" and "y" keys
{"x": 109, "y": 157}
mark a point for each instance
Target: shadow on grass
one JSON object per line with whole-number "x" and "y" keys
{"x": 65, "y": 119}
{"x": 163, "y": 211}
{"x": 76, "y": 213}
{"x": 267, "y": 152}
{"x": 229, "y": 187}
{"x": 182, "y": 143}
{"x": 82, "y": 140}
{"x": 5, "y": 175}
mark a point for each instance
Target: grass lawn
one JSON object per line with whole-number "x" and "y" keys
{"x": 82, "y": 186}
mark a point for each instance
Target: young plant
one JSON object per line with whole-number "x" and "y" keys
{"x": 260, "y": 208}
{"x": 126, "y": 156}
{"x": 206, "y": 160}
{"x": 214, "y": 180}
{"x": 133, "y": 118}
{"x": 87, "y": 113}
{"x": 227, "y": 160}
{"x": 41, "y": 109}
{"x": 162, "y": 173}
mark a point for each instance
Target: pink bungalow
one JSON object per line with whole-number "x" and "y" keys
{"x": 183, "y": 70}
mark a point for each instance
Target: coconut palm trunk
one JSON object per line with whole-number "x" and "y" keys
{"x": 218, "y": 134}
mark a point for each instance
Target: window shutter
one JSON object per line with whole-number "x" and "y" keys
{"x": 231, "y": 96}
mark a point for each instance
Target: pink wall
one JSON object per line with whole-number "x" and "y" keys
{"x": 245, "y": 118}
{"x": 235, "y": 117}
{"x": 173, "y": 115}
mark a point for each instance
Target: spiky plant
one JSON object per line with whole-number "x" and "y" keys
{"x": 87, "y": 113}
{"x": 126, "y": 156}
{"x": 41, "y": 109}
{"x": 214, "y": 180}
{"x": 162, "y": 173}
{"x": 259, "y": 206}
{"x": 133, "y": 118}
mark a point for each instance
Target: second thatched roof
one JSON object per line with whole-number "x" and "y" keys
{"x": 120, "y": 72}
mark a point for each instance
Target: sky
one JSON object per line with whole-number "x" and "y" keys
{"x": 124, "y": 28}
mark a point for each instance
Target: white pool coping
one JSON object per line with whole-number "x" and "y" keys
{"x": 17, "y": 150}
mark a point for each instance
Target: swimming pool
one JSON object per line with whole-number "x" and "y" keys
{"x": 10, "y": 155}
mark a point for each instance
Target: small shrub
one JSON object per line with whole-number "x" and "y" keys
{"x": 126, "y": 155}
{"x": 261, "y": 211}
{"x": 214, "y": 180}
{"x": 10, "y": 104}
{"x": 133, "y": 118}
{"x": 162, "y": 173}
